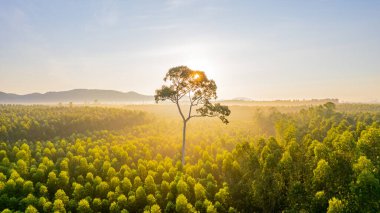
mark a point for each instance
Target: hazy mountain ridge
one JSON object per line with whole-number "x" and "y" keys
{"x": 76, "y": 95}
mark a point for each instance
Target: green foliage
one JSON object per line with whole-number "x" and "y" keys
{"x": 150, "y": 186}
{"x": 140, "y": 197}
{"x": 59, "y": 206}
{"x": 314, "y": 160}
{"x": 181, "y": 204}
{"x": 31, "y": 209}
{"x": 200, "y": 192}
{"x": 61, "y": 195}
{"x": 155, "y": 209}
{"x": 84, "y": 206}
{"x": 44, "y": 123}
{"x": 335, "y": 206}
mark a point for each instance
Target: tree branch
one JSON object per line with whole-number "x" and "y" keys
{"x": 197, "y": 100}
{"x": 191, "y": 107}
{"x": 180, "y": 111}
{"x": 199, "y": 116}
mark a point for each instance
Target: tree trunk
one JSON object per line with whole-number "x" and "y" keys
{"x": 183, "y": 143}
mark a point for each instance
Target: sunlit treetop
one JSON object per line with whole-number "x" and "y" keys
{"x": 184, "y": 82}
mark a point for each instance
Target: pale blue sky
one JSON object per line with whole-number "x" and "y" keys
{"x": 264, "y": 49}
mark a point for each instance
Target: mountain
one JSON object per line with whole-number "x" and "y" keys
{"x": 242, "y": 99}
{"x": 76, "y": 96}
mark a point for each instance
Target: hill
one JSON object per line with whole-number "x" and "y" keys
{"x": 277, "y": 103}
{"x": 76, "y": 96}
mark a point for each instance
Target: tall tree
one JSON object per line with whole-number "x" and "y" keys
{"x": 194, "y": 84}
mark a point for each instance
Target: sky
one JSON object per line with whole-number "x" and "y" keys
{"x": 259, "y": 49}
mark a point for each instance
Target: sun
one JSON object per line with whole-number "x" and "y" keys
{"x": 196, "y": 76}
{"x": 202, "y": 64}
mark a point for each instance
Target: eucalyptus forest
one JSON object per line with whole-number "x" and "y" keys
{"x": 119, "y": 159}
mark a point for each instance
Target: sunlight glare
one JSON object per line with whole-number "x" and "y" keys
{"x": 202, "y": 63}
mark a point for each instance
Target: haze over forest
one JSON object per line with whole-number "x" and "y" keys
{"x": 77, "y": 96}
{"x": 96, "y": 96}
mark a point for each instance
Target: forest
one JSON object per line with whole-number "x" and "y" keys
{"x": 323, "y": 158}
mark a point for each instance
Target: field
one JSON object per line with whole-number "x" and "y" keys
{"x": 296, "y": 158}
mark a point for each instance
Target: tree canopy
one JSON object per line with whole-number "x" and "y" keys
{"x": 316, "y": 159}
{"x": 194, "y": 85}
